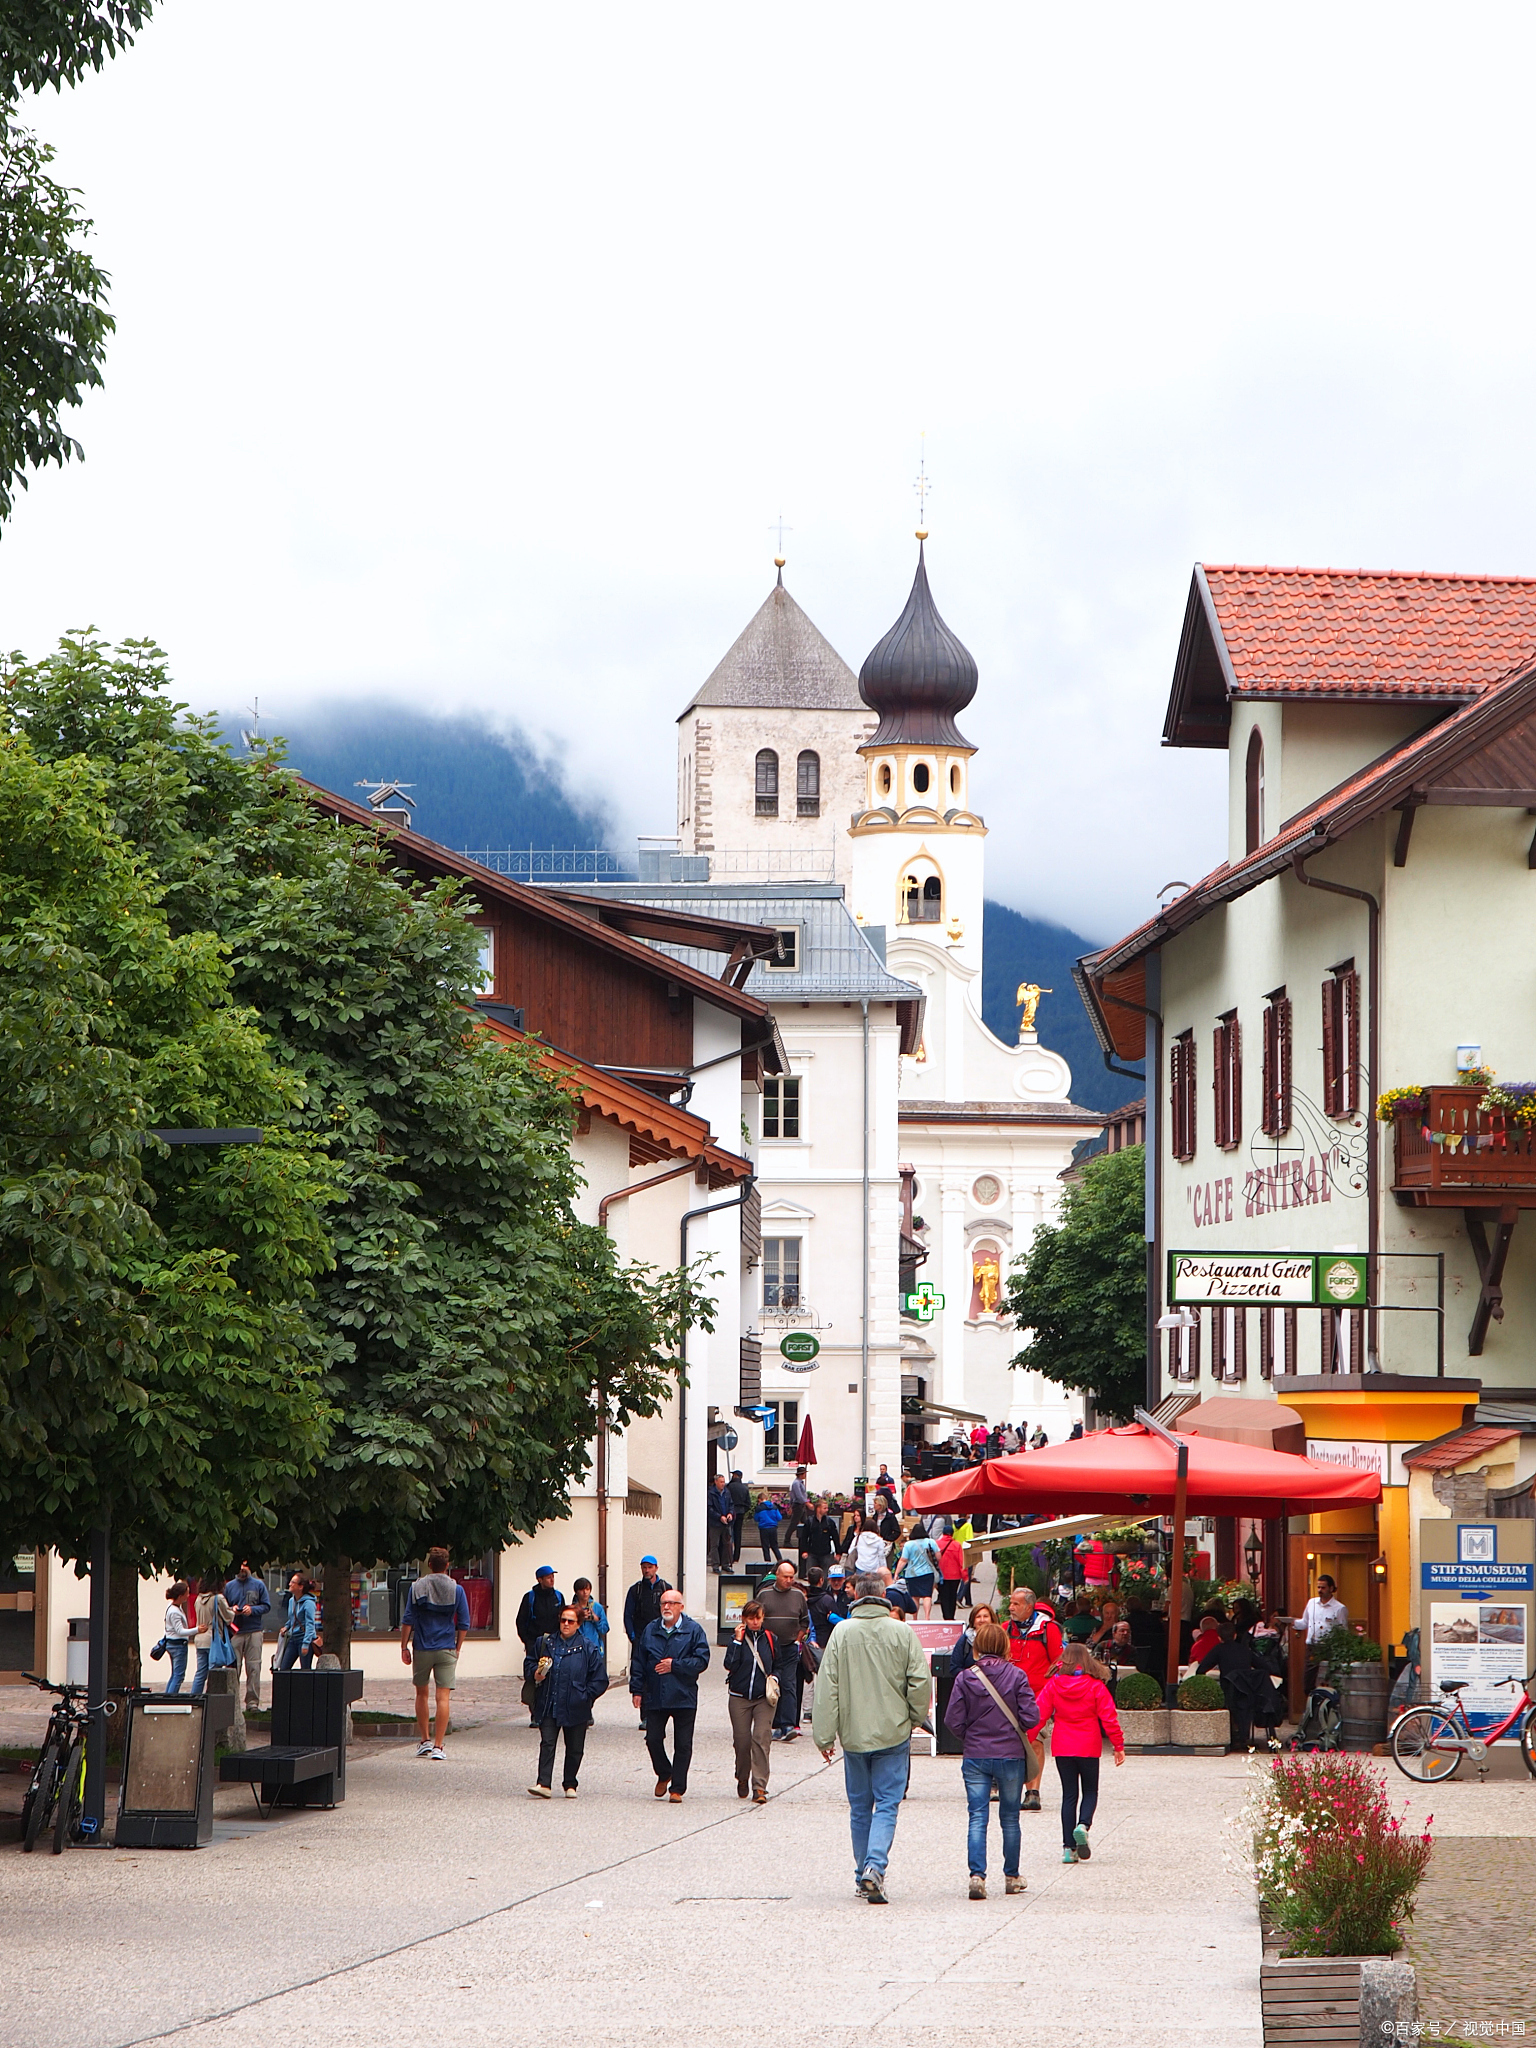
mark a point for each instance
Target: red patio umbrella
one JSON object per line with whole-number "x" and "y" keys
{"x": 805, "y": 1450}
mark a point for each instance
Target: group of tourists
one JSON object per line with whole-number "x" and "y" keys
{"x": 226, "y": 1629}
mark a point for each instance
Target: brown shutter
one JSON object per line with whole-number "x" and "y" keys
{"x": 1237, "y": 1368}
{"x": 1266, "y": 1343}
{"x": 1350, "y": 1049}
{"x": 1332, "y": 1095}
{"x": 1190, "y": 1097}
{"x": 1219, "y": 1080}
{"x": 752, "y": 1228}
{"x": 1290, "y": 1341}
{"x": 1218, "y": 1343}
{"x": 1267, "y": 1077}
{"x": 1235, "y": 1104}
{"x": 1284, "y": 1007}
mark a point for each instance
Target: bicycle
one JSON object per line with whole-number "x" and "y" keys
{"x": 1429, "y": 1742}
{"x": 57, "y": 1788}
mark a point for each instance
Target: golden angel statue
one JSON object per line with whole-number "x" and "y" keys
{"x": 1028, "y": 1000}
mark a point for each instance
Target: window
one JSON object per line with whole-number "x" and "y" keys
{"x": 921, "y": 778}
{"x": 787, "y": 958}
{"x": 380, "y": 1591}
{"x": 885, "y": 778}
{"x": 781, "y": 1107}
{"x": 767, "y": 784}
{"x": 781, "y": 1437}
{"x": 808, "y": 785}
{"x": 1184, "y": 1352}
{"x": 923, "y": 899}
{"x": 1227, "y": 1081}
{"x": 1276, "y": 1080}
{"x": 1277, "y": 1341}
{"x": 781, "y": 1272}
{"x": 954, "y": 779}
{"x": 1341, "y": 1041}
{"x": 1229, "y": 1344}
{"x": 1181, "y": 1121}
{"x": 1253, "y": 793}
{"x": 485, "y": 940}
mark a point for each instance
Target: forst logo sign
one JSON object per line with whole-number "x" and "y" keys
{"x": 1267, "y": 1279}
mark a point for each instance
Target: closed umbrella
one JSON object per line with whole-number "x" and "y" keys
{"x": 805, "y": 1450}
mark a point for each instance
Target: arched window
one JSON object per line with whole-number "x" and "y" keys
{"x": 1253, "y": 835}
{"x": 920, "y": 778}
{"x": 767, "y": 784}
{"x": 808, "y": 785}
{"x": 954, "y": 779}
{"x": 922, "y": 896}
{"x": 885, "y": 778}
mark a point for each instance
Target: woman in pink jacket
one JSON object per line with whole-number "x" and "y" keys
{"x": 1084, "y": 1714}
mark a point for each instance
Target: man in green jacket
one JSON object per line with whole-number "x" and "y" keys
{"x": 872, "y": 1690}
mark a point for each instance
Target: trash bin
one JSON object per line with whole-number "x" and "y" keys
{"x": 77, "y": 1651}
{"x": 166, "y": 1798}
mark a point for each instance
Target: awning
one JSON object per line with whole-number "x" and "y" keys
{"x": 1039, "y": 1532}
{"x": 955, "y": 1414}
{"x": 1228, "y": 1417}
{"x": 642, "y": 1500}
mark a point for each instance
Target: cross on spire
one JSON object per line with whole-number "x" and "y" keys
{"x": 922, "y": 488}
{"x": 778, "y": 526}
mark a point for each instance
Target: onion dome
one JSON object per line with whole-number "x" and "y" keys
{"x": 918, "y": 676}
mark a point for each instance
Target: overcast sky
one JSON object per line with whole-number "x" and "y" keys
{"x": 466, "y": 354}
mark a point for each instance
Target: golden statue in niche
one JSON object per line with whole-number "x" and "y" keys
{"x": 986, "y": 1281}
{"x": 1028, "y": 1000}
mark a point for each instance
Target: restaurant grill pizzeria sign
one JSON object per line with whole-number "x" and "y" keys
{"x": 1267, "y": 1279}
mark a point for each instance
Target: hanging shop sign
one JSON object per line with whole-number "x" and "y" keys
{"x": 922, "y": 1304}
{"x": 799, "y": 1351}
{"x": 1267, "y": 1279}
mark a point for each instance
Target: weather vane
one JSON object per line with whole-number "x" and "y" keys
{"x": 922, "y": 488}
{"x": 252, "y": 737}
{"x": 781, "y": 529}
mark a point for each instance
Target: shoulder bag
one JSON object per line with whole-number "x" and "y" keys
{"x": 1012, "y": 1717}
{"x": 221, "y": 1652}
{"x": 770, "y": 1681}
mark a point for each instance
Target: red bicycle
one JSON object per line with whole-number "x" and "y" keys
{"x": 1428, "y": 1743}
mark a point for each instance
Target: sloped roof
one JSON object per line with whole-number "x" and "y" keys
{"x": 1447, "y": 1452}
{"x": 1487, "y": 746}
{"x": 1356, "y": 635}
{"x": 780, "y": 662}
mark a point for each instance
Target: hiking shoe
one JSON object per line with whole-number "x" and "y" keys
{"x": 540, "y": 1792}
{"x": 1014, "y": 1884}
{"x": 570, "y": 1791}
{"x": 676, "y": 1798}
{"x": 978, "y": 1886}
{"x": 436, "y": 1755}
{"x": 1030, "y": 1803}
{"x": 424, "y": 1748}
{"x": 872, "y": 1887}
{"x": 1080, "y": 1836}
{"x": 1069, "y": 1855}
{"x": 760, "y": 1798}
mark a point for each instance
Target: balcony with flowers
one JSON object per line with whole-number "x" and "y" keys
{"x": 1472, "y": 1144}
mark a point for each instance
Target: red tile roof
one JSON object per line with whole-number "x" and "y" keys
{"x": 1449, "y": 1451}
{"x": 1370, "y": 633}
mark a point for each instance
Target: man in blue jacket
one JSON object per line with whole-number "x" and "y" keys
{"x": 664, "y": 1669}
{"x": 252, "y": 1603}
{"x": 432, "y": 1632}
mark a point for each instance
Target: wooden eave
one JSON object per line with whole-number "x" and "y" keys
{"x": 424, "y": 855}
{"x": 667, "y": 926}
{"x": 663, "y": 1130}
{"x": 1200, "y": 699}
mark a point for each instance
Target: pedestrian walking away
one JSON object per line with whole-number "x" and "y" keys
{"x": 568, "y": 1674}
{"x": 919, "y": 1566}
{"x": 664, "y": 1670}
{"x": 872, "y": 1690}
{"x": 952, "y": 1573}
{"x": 301, "y": 1624}
{"x": 769, "y": 1516}
{"x": 786, "y": 1611}
{"x": 1084, "y": 1714}
{"x": 741, "y": 1505}
{"x": 1034, "y": 1644}
{"x": 538, "y": 1614}
{"x": 752, "y": 1691}
{"x": 252, "y": 1603}
{"x": 176, "y": 1633}
{"x": 432, "y": 1632}
{"x": 215, "y": 1620}
{"x": 992, "y": 1710}
{"x": 864, "y": 1546}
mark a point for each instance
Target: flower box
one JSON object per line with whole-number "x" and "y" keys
{"x": 1146, "y": 1729}
{"x": 1200, "y": 1728}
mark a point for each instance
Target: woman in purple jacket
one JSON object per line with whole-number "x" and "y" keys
{"x": 992, "y": 1708}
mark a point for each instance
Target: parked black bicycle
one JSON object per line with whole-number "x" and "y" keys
{"x": 55, "y": 1796}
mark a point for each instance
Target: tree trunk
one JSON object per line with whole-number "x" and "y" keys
{"x": 336, "y": 1598}
{"x": 123, "y": 1670}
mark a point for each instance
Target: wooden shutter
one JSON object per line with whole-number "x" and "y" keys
{"x": 1277, "y": 1064}
{"x": 751, "y": 1381}
{"x": 1181, "y": 1095}
{"x": 1331, "y": 1091}
{"x": 752, "y": 1228}
{"x": 1235, "y": 1085}
{"x": 1267, "y": 1076}
{"x": 1218, "y": 1343}
{"x": 1266, "y": 1343}
{"x": 1237, "y": 1363}
{"x": 1349, "y": 992}
{"x": 1290, "y": 1341}
{"x": 1219, "y": 1079}
{"x": 1284, "y": 1009}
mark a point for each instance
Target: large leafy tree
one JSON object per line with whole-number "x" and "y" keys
{"x": 1082, "y": 1287}
{"x": 157, "y": 1369}
{"x": 468, "y": 1320}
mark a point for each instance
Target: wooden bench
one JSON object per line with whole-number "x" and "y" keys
{"x": 278, "y": 1764}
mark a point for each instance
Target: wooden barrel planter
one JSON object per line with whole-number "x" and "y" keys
{"x": 1363, "y": 1705}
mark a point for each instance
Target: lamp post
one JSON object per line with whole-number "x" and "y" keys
{"x": 1176, "y": 1570}
{"x": 94, "y": 1803}
{"x": 1253, "y": 1556}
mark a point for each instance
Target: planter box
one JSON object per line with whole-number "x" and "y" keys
{"x": 1206, "y": 1729}
{"x": 1341, "y": 2001}
{"x": 1142, "y": 1729}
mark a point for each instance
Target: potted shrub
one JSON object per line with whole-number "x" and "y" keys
{"x": 1355, "y": 1667}
{"x": 1200, "y": 1719}
{"x": 1139, "y": 1703}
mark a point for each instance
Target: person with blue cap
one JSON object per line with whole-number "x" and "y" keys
{"x": 642, "y": 1603}
{"x": 538, "y": 1614}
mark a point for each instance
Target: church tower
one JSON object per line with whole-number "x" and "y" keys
{"x": 917, "y": 844}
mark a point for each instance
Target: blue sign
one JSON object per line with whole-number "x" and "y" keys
{"x": 1476, "y": 1579}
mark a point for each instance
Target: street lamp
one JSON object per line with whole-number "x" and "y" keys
{"x": 1253, "y": 1555}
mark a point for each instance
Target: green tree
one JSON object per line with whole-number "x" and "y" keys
{"x": 468, "y": 1319}
{"x": 156, "y": 1365}
{"x": 1082, "y": 1287}
{"x": 56, "y": 42}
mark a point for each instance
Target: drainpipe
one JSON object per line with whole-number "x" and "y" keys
{"x": 618, "y": 1195}
{"x": 710, "y": 1209}
{"x": 1372, "y": 1056}
{"x": 864, "y": 1317}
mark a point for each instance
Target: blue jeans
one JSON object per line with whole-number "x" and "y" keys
{"x": 177, "y": 1652}
{"x": 200, "y": 1676}
{"x": 876, "y": 1783}
{"x": 981, "y": 1773}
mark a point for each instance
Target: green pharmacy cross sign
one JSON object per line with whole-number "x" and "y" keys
{"x": 922, "y": 1303}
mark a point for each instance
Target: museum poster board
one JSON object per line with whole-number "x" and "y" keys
{"x": 1477, "y": 1610}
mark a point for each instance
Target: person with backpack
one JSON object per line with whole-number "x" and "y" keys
{"x": 568, "y": 1674}
{"x": 992, "y": 1710}
{"x": 752, "y": 1693}
{"x": 1084, "y": 1714}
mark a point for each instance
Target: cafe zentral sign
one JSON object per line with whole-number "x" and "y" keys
{"x": 1267, "y": 1279}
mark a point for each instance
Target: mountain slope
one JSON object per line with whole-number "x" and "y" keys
{"x": 1018, "y": 948}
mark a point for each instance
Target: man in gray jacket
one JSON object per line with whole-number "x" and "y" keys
{"x": 872, "y": 1690}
